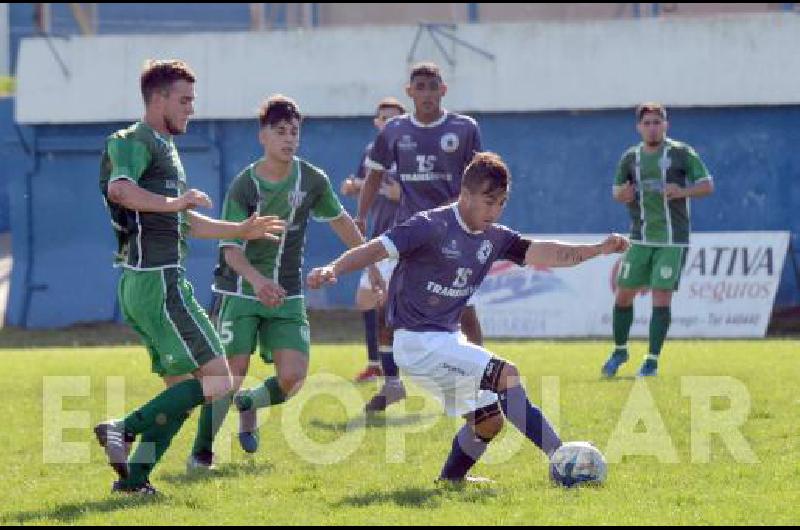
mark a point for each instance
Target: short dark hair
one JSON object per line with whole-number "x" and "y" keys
{"x": 426, "y": 69}
{"x": 486, "y": 168}
{"x": 390, "y": 103}
{"x": 650, "y": 107}
{"x": 278, "y": 108}
{"x": 158, "y": 75}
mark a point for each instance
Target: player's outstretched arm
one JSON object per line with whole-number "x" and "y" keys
{"x": 127, "y": 194}
{"x": 353, "y": 260}
{"x": 254, "y": 227}
{"x": 349, "y": 233}
{"x": 558, "y": 254}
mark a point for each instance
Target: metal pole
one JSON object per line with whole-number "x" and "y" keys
{"x": 44, "y": 20}
{"x": 473, "y": 13}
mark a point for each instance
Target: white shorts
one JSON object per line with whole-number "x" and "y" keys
{"x": 385, "y": 267}
{"x": 446, "y": 365}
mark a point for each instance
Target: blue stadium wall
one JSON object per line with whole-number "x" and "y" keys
{"x": 6, "y": 129}
{"x": 562, "y": 164}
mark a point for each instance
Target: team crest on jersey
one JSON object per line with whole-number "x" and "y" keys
{"x": 485, "y": 251}
{"x": 406, "y": 143}
{"x": 296, "y": 198}
{"x": 451, "y": 251}
{"x": 449, "y": 143}
{"x": 666, "y": 272}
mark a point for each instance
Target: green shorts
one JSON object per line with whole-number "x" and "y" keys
{"x": 654, "y": 267}
{"x": 243, "y": 322}
{"x": 160, "y": 306}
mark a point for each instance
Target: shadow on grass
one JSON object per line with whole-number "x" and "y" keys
{"x": 230, "y": 470}
{"x": 417, "y": 497}
{"x": 617, "y": 378}
{"x": 77, "y": 336}
{"x": 329, "y": 327}
{"x": 372, "y": 421}
{"x": 69, "y": 513}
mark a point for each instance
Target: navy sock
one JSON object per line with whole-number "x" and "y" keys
{"x": 390, "y": 369}
{"x": 371, "y": 334}
{"x": 529, "y": 419}
{"x": 467, "y": 449}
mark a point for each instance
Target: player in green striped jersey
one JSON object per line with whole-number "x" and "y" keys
{"x": 260, "y": 284}
{"x": 144, "y": 185}
{"x": 656, "y": 180}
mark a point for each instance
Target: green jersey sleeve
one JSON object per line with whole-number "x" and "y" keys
{"x": 622, "y": 174}
{"x": 240, "y": 203}
{"x": 129, "y": 158}
{"x": 327, "y": 206}
{"x": 695, "y": 168}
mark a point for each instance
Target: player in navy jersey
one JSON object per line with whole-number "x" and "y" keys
{"x": 381, "y": 218}
{"x": 430, "y": 149}
{"x": 444, "y": 255}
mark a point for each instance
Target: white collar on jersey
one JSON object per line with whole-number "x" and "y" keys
{"x": 431, "y": 125}
{"x": 461, "y": 222}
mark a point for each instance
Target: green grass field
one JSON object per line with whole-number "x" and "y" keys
{"x": 369, "y": 486}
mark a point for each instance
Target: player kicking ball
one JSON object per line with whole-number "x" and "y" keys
{"x": 444, "y": 254}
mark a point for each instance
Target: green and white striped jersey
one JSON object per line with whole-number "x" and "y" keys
{"x": 305, "y": 193}
{"x": 147, "y": 240}
{"x": 655, "y": 220}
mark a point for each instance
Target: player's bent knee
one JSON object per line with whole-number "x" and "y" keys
{"x": 217, "y": 386}
{"x": 216, "y": 379}
{"x": 662, "y": 298}
{"x": 509, "y": 377}
{"x": 216, "y": 367}
{"x": 488, "y": 429}
{"x": 625, "y": 297}
{"x": 237, "y": 383}
{"x": 291, "y": 382}
{"x": 239, "y": 365}
{"x": 486, "y": 422}
{"x": 499, "y": 375}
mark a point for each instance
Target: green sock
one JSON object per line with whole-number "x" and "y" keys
{"x": 659, "y": 325}
{"x": 211, "y": 417}
{"x": 172, "y": 402}
{"x": 266, "y": 395}
{"x": 151, "y": 448}
{"x": 622, "y": 320}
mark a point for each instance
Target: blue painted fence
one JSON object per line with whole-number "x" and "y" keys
{"x": 561, "y": 162}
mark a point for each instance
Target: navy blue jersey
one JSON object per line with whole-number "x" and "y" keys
{"x": 441, "y": 265}
{"x": 430, "y": 158}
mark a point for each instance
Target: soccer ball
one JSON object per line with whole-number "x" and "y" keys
{"x": 578, "y": 463}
